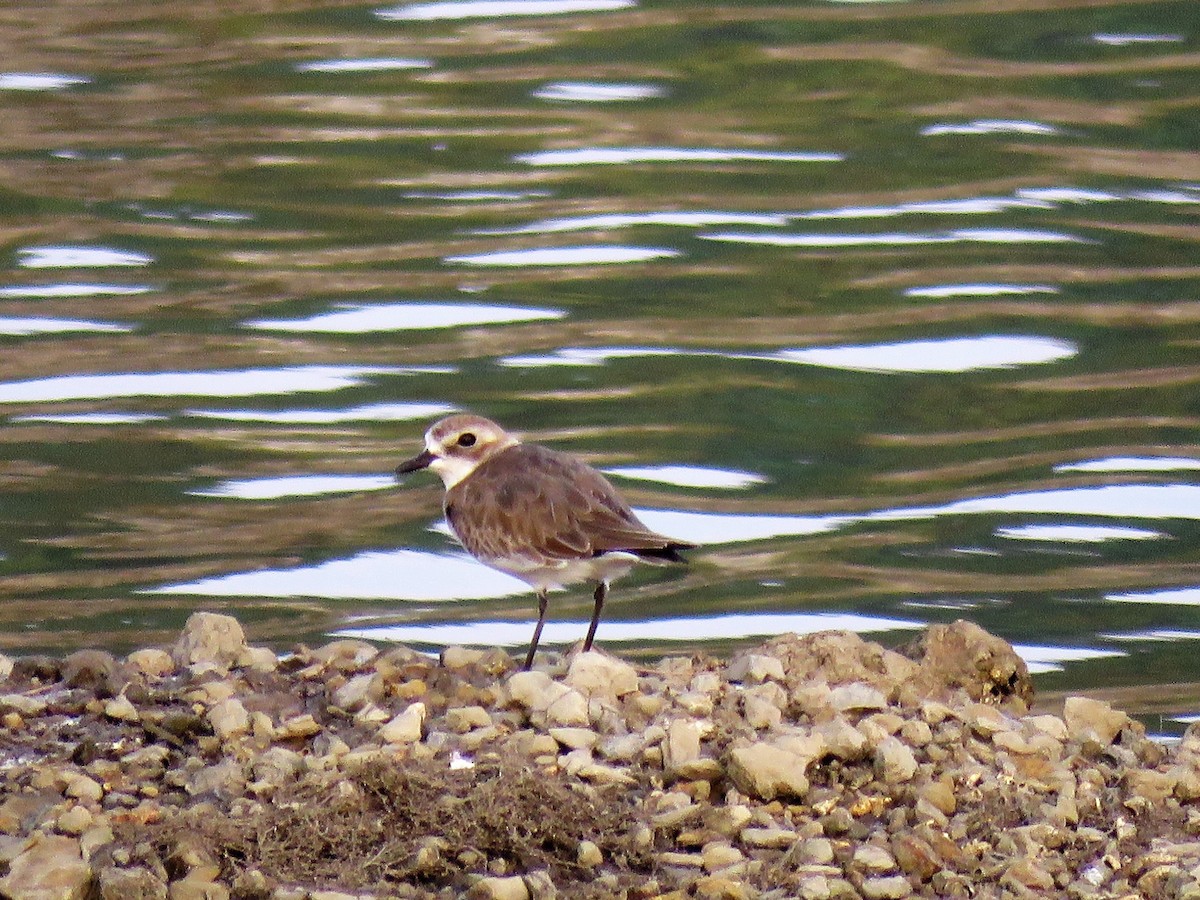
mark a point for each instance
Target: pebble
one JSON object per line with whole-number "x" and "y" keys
{"x": 209, "y": 640}
{"x": 406, "y": 727}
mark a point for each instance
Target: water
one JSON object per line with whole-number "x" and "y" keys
{"x": 891, "y": 306}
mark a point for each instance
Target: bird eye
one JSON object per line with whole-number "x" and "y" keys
{"x": 466, "y": 440}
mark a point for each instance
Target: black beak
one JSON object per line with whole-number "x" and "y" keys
{"x": 420, "y": 461}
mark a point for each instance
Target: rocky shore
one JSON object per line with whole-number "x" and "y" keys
{"x": 812, "y": 767}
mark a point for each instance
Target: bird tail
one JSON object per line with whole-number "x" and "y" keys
{"x": 669, "y": 553}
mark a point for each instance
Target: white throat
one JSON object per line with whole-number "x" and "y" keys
{"x": 452, "y": 470}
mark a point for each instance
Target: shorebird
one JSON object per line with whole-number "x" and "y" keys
{"x": 544, "y": 516}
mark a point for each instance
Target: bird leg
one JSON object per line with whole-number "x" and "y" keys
{"x": 537, "y": 631}
{"x": 601, "y": 593}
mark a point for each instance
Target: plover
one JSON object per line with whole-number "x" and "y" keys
{"x": 544, "y": 516}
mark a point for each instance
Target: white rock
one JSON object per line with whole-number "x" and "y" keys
{"x": 894, "y": 761}
{"x": 209, "y": 639}
{"x": 406, "y": 727}
{"x": 856, "y": 696}
{"x": 229, "y": 718}
{"x": 596, "y": 674}
{"x": 755, "y": 667}
{"x": 50, "y": 867}
{"x": 765, "y": 771}
{"x": 152, "y": 662}
{"x": 496, "y": 888}
{"x": 121, "y": 709}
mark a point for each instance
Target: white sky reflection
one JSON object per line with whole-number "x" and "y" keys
{"x": 486, "y": 9}
{"x": 230, "y": 383}
{"x": 353, "y": 318}
{"x": 1132, "y": 464}
{"x": 597, "y": 92}
{"x": 364, "y": 64}
{"x": 689, "y": 476}
{"x": 1133, "y": 501}
{"x": 1053, "y": 659}
{"x": 39, "y": 81}
{"x": 565, "y": 256}
{"x": 38, "y": 291}
{"x": 65, "y": 257}
{"x": 373, "y": 412}
{"x": 699, "y": 628}
{"x": 608, "y": 156}
{"x": 1189, "y": 596}
{"x": 374, "y": 575}
{"x": 899, "y": 239}
{"x": 937, "y": 292}
{"x": 296, "y": 486}
{"x": 20, "y": 326}
{"x": 1077, "y": 534}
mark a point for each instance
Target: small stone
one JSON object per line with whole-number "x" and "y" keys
{"x": 75, "y": 821}
{"x": 814, "y": 887}
{"x": 596, "y": 674}
{"x": 874, "y": 859}
{"x": 588, "y": 855}
{"x": 81, "y": 787}
{"x": 575, "y": 738}
{"x": 355, "y": 692}
{"x": 760, "y": 713}
{"x": 817, "y": 851}
{"x": 540, "y": 886}
{"x": 197, "y": 889}
{"x": 29, "y": 707}
{"x": 406, "y": 727}
{"x": 498, "y": 888}
{"x": 151, "y": 662}
{"x": 769, "y": 838}
{"x": 894, "y": 761}
{"x": 304, "y": 726}
{"x": 887, "y": 887}
{"x": 856, "y": 696}
{"x": 940, "y": 795}
{"x": 842, "y": 739}
{"x": 121, "y": 709}
{"x": 720, "y": 855}
{"x": 461, "y": 719}
{"x": 229, "y": 718}
{"x": 554, "y": 703}
{"x": 716, "y": 887}
{"x": 461, "y": 657}
{"x": 138, "y": 883}
{"x": 755, "y": 668}
{"x": 345, "y": 654}
{"x": 765, "y": 771}
{"x": 1093, "y": 720}
{"x": 681, "y": 745}
{"x": 49, "y": 867}
{"x": 94, "y": 670}
{"x": 209, "y": 640}
{"x": 260, "y": 659}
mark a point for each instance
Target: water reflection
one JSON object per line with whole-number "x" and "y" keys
{"x": 901, "y": 239}
{"x": 990, "y": 126}
{"x": 947, "y": 355}
{"x": 67, "y": 257}
{"x": 356, "y": 318}
{"x": 689, "y": 476}
{"x": 39, "y": 81}
{"x": 1125, "y": 39}
{"x": 72, "y": 289}
{"x": 1041, "y": 659}
{"x": 711, "y": 529}
{"x": 609, "y": 156}
{"x": 374, "y": 575}
{"x": 565, "y": 256}
{"x": 296, "y": 486}
{"x": 371, "y": 412}
{"x": 486, "y": 9}
{"x": 1078, "y": 534}
{"x": 597, "y": 92}
{"x": 967, "y": 206}
{"x": 93, "y": 418}
{"x": 1189, "y": 596}
{"x": 633, "y": 220}
{"x": 673, "y": 629}
{"x": 1132, "y": 464}
{"x": 364, "y": 64}
{"x": 1133, "y": 501}
{"x": 232, "y": 383}
{"x": 941, "y": 291}
{"x": 21, "y": 326}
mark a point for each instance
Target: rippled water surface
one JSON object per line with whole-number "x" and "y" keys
{"x": 891, "y": 306}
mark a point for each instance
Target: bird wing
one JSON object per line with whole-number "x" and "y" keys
{"x": 534, "y": 503}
